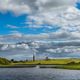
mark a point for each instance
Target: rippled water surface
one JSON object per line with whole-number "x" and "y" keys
{"x": 38, "y": 74}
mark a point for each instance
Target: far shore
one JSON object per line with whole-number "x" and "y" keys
{"x": 71, "y": 64}
{"x": 69, "y": 67}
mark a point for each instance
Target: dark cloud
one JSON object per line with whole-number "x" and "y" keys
{"x": 53, "y": 49}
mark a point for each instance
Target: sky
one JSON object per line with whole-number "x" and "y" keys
{"x": 48, "y": 19}
{"x": 40, "y": 20}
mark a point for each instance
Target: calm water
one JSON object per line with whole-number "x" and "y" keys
{"x": 38, "y": 74}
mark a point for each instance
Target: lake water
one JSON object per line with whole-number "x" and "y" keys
{"x": 38, "y": 74}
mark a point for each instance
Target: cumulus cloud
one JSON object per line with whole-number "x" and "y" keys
{"x": 16, "y": 36}
{"x": 33, "y": 5}
{"x": 52, "y": 12}
{"x": 59, "y": 13}
{"x": 51, "y": 4}
{"x": 71, "y": 38}
{"x": 14, "y": 6}
{"x": 65, "y": 49}
{"x": 66, "y": 18}
{"x": 62, "y": 13}
{"x": 42, "y": 48}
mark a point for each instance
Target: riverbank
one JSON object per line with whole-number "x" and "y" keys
{"x": 69, "y": 67}
{"x": 72, "y": 64}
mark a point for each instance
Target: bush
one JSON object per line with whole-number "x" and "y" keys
{"x": 4, "y": 61}
{"x": 72, "y": 62}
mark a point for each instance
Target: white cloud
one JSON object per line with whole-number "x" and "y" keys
{"x": 16, "y": 36}
{"x": 12, "y": 26}
{"x": 4, "y": 47}
{"x": 14, "y": 6}
{"x": 54, "y": 12}
{"x": 67, "y": 18}
{"x": 47, "y": 5}
{"x": 65, "y": 49}
{"x": 23, "y": 6}
{"x": 51, "y": 50}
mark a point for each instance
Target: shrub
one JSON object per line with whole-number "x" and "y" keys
{"x": 72, "y": 62}
{"x": 4, "y": 61}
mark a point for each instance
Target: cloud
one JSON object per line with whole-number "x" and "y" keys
{"x": 19, "y": 37}
{"x": 51, "y": 4}
{"x": 50, "y": 49}
{"x": 55, "y": 13}
{"x": 60, "y": 35}
{"x": 34, "y": 5}
{"x": 66, "y": 18}
{"x": 14, "y": 6}
{"x": 65, "y": 49}
{"x": 12, "y": 26}
{"x": 62, "y": 13}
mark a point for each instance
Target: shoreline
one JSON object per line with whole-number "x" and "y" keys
{"x": 70, "y": 64}
{"x": 67, "y": 67}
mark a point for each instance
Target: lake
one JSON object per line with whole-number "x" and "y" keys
{"x": 38, "y": 74}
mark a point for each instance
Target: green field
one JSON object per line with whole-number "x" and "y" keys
{"x": 70, "y": 67}
{"x": 51, "y": 62}
{"x": 55, "y": 63}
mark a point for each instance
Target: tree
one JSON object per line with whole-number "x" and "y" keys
{"x": 12, "y": 60}
{"x": 72, "y": 62}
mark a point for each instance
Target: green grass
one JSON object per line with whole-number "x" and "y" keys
{"x": 4, "y": 61}
{"x": 59, "y": 63}
{"x": 53, "y": 61}
{"x": 71, "y": 67}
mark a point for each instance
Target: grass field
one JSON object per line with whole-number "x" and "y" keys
{"x": 70, "y": 67}
{"x": 51, "y": 61}
{"x": 59, "y": 63}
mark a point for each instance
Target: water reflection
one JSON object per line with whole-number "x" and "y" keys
{"x": 38, "y": 74}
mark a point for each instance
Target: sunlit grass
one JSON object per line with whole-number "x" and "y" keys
{"x": 59, "y": 63}
{"x": 51, "y": 61}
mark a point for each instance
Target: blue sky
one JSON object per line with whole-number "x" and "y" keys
{"x": 78, "y": 5}
{"x": 8, "y": 19}
{"x": 57, "y": 20}
{"x": 52, "y": 22}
